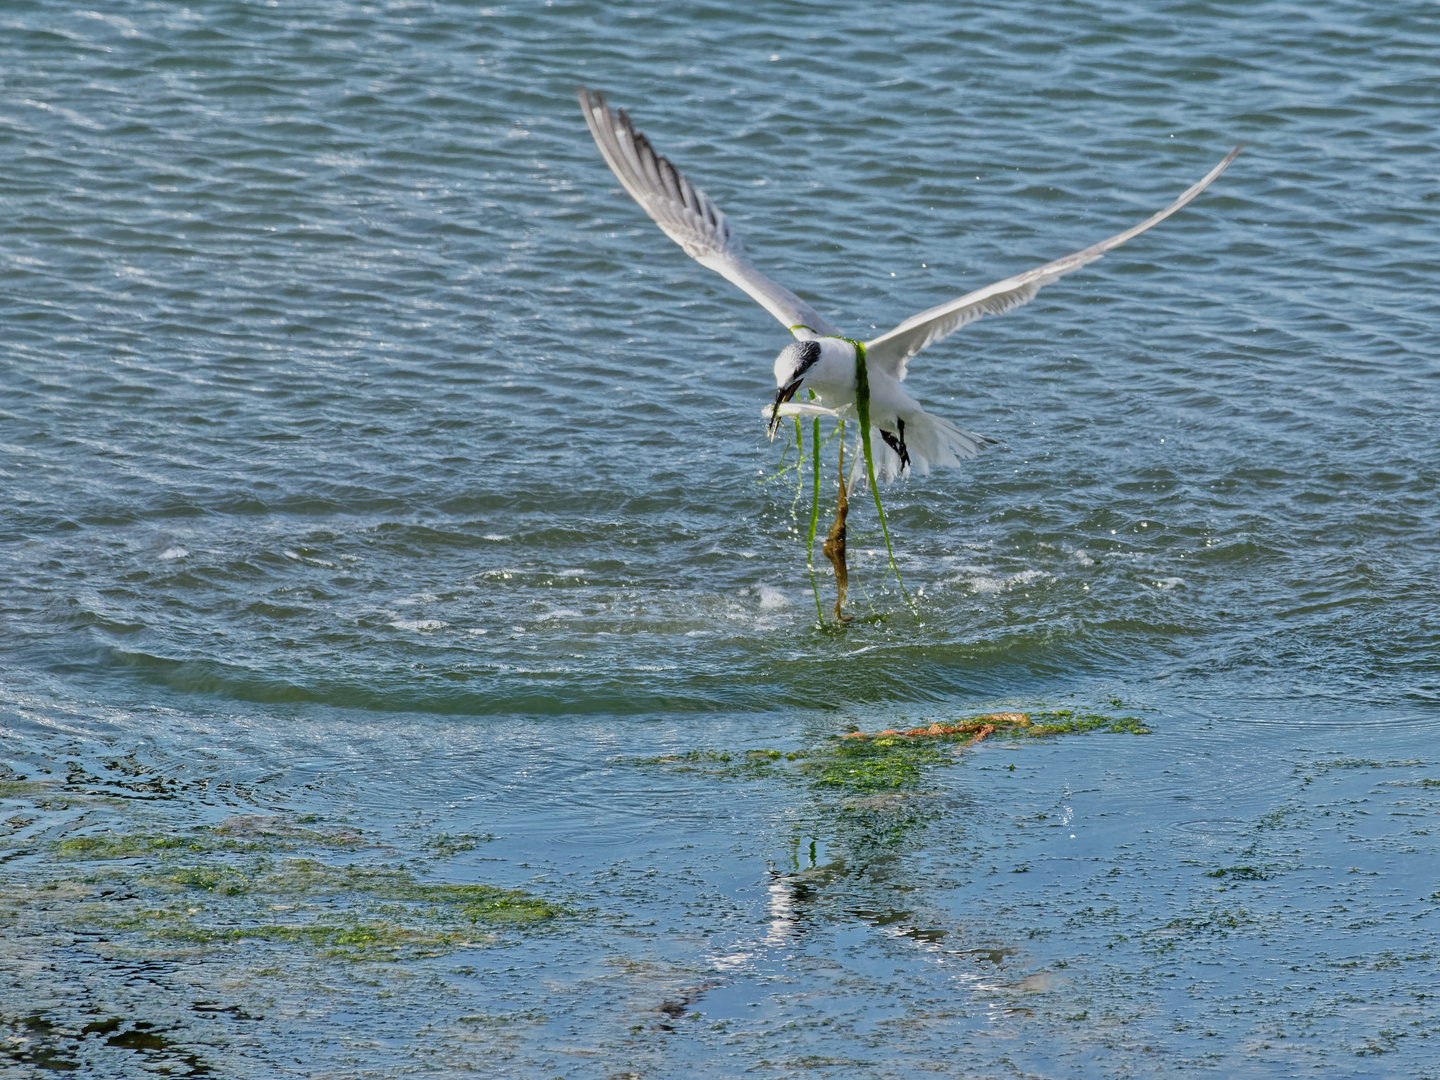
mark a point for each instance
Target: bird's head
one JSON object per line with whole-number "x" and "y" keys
{"x": 791, "y": 366}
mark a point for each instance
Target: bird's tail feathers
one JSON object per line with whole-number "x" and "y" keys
{"x": 930, "y": 442}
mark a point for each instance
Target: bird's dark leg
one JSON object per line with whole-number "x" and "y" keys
{"x": 834, "y": 546}
{"x": 897, "y": 443}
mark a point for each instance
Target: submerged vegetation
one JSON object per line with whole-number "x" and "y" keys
{"x": 261, "y": 879}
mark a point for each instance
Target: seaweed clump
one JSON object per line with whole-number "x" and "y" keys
{"x": 892, "y": 758}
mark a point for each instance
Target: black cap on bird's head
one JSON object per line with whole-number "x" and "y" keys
{"x": 790, "y": 367}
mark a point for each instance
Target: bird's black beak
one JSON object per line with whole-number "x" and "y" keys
{"x": 784, "y": 394}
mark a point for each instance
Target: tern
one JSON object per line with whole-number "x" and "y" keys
{"x": 820, "y": 359}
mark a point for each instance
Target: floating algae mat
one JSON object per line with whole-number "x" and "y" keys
{"x": 893, "y": 758}
{"x": 253, "y": 905}
{"x": 210, "y": 887}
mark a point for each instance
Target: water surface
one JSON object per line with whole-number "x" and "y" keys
{"x": 371, "y": 460}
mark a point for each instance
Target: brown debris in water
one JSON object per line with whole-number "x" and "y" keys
{"x": 980, "y": 727}
{"x": 834, "y": 546}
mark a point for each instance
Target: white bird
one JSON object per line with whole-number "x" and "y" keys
{"x": 820, "y": 359}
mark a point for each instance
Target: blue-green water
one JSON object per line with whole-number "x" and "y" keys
{"x": 370, "y": 459}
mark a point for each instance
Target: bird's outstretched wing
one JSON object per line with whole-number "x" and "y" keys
{"x": 686, "y": 214}
{"x": 892, "y": 351}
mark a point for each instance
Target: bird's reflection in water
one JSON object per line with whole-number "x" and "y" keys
{"x": 795, "y": 897}
{"x": 804, "y": 897}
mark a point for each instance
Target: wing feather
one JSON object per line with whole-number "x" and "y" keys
{"x": 687, "y": 215}
{"x": 892, "y": 351}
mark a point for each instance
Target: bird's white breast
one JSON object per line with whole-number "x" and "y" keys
{"x": 835, "y": 370}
